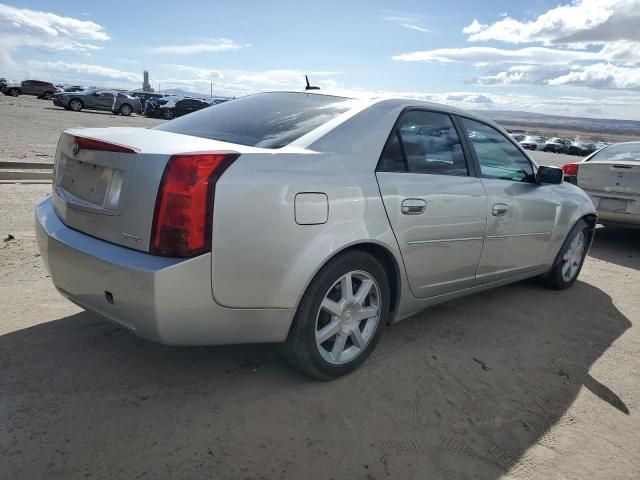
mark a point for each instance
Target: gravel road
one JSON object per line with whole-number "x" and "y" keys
{"x": 520, "y": 382}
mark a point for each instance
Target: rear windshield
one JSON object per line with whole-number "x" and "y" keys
{"x": 619, "y": 153}
{"x": 267, "y": 120}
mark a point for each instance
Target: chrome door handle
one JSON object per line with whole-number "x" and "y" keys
{"x": 500, "y": 209}
{"x": 413, "y": 206}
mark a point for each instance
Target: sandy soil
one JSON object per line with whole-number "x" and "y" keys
{"x": 520, "y": 382}
{"x": 30, "y": 128}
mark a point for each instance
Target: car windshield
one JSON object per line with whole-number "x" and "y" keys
{"x": 268, "y": 120}
{"x": 618, "y": 153}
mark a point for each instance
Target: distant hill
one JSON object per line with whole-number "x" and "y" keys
{"x": 557, "y": 123}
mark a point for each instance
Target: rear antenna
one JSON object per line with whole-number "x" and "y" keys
{"x": 309, "y": 86}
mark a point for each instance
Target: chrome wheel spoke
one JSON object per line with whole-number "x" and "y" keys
{"x": 346, "y": 288}
{"x": 357, "y": 338}
{"x": 366, "y": 312}
{"x": 363, "y": 291}
{"x": 328, "y": 331}
{"x": 334, "y": 308}
{"x": 338, "y": 346}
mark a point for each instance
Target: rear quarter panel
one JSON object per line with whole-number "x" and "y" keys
{"x": 261, "y": 257}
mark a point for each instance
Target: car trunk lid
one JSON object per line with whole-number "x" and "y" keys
{"x": 622, "y": 177}
{"x": 106, "y": 180}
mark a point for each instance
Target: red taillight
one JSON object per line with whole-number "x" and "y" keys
{"x": 570, "y": 169}
{"x": 85, "y": 143}
{"x": 184, "y": 205}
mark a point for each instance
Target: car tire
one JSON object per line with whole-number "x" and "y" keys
{"x": 125, "y": 110}
{"x": 76, "y": 105}
{"x": 13, "y": 92}
{"x": 332, "y": 334}
{"x": 47, "y": 96}
{"x": 568, "y": 263}
{"x": 167, "y": 114}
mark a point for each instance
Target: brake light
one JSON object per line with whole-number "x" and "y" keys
{"x": 570, "y": 169}
{"x": 86, "y": 143}
{"x": 184, "y": 206}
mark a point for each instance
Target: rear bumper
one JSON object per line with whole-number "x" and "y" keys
{"x": 165, "y": 300}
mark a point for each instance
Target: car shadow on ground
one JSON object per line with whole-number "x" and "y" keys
{"x": 617, "y": 245}
{"x": 462, "y": 390}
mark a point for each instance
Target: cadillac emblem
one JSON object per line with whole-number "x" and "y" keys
{"x": 76, "y": 148}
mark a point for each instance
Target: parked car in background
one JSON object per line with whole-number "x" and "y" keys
{"x": 172, "y": 107}
{"x": 40, "y": 89}
{"x": 518, "y": 136}
{"x": 105, "y": 100}
{"x": 73, "y": 88}
{"x": 581, "y": 149}
{"x": 3, "y": 83}
{"x": 611, "y": 177}
{"x": 532, "y": 142}
{"x": 231, "y": 225}
{"x": 146, "y": 96}
{"x": 556, "y": 145}
{"x": 216, "y": 101}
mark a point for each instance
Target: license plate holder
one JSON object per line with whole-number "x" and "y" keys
{"x": 612, "y": 204}
{"x": 86, "y": 181}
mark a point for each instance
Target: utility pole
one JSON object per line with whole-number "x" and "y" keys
{"x": 211, "y": 96}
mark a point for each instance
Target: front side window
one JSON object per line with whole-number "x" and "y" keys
{"x": 424, "y": 142}
{"x": 497, "y": 156}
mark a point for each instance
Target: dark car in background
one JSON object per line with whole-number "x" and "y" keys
{"x": 144, "y": 97}
{"x": 172, "y": 107}
{"x": 105, "y": 100}
{"x": 40, "y": 89}
{"x": 556, "y": 145}
{"x": 581, "y": 149}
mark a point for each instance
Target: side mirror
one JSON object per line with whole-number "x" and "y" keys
{"x": 552, "y": 175}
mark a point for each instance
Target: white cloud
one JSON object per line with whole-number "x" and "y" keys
{"x": 522, "y": 75}
{"x": 209, "y": 46}
{"x": 22, "y": 27}
{"x": 601, "y": 75}
{"x": 410, "y": 22}
{"x": 582, "y": 21}
{"x": 85, "y": 73}
{"x": 480, "y": 56}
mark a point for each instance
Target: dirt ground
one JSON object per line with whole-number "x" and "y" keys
{"x": 519, "y": 382}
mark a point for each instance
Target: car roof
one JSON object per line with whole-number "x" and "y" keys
{"x": 364, "y": 101}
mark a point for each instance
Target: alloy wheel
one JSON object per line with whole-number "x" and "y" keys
{"x": 572, "y": 258}
{"x": 125, "y": 110}
{"x": 75, "y": 105}
{"x": 348, "y": 317}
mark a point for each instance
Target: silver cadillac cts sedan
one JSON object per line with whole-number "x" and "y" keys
{"x": 310, "y": 220}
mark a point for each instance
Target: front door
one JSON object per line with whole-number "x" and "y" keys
{"x": 521, "y": 214}
{"x": 102, "y": 100}
{"x": 436, "y": 208}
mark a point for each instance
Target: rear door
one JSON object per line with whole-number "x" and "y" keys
{"x": 435, "y": 205}
{"x": 102, "y": 100}
{"x": 521, "y": 214}
{"x": 28, "y": 87}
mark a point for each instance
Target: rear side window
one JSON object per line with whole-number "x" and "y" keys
{"x": 497, "y": 156}
{"x": 619, "y": 153}
{"x": 424, "y": 142}
{"x": 267, "y": 120}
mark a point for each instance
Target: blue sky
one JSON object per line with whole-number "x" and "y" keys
{"x": 572, "y": 58}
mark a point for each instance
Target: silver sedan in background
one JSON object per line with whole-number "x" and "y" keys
{"x": 611, "y": 177}
{"x": 305, "y": 219}
{"x": 104, "y": 100}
